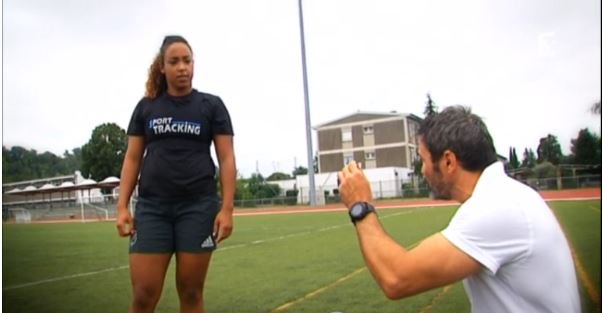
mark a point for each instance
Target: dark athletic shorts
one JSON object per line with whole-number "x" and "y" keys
{"x": 174, "y": 225}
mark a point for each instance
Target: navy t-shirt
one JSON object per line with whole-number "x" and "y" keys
{"x": 178, "y": 135}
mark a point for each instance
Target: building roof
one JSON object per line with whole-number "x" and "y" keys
{"x": 109, "y": 182}
{"x": 361, "y": 116}
{"x": 38, "y": 181}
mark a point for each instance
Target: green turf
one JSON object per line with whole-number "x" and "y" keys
{"x": 269, "y": 261}
{"x": 582, "y": 224}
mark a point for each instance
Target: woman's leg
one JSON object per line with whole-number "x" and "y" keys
{"x": 191, "y": 270}
{"x": 147, "y": 273}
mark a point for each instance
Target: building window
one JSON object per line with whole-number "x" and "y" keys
{"x": 346, "y": 134}
{"x": 412, "y": 132}
{"x": 347, "y": 158}
{"x": 367, "y": 129}
{"x": 369, "y": 155}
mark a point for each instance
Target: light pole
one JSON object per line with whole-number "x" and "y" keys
{"x": 312, "y": 191}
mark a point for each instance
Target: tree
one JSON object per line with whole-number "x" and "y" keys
{"x": 430, "y": 106}
{"x": 513, "y": 161}
{"x": 596, "y": 108}
{"x": 529, "y": 159}
{"x": 241, "y": 191}
{"x": 256, "y": 188}
{"x": 103, "y": 155}
{"x": 300, "y": 170}
{"x": 20, "y": 164}
{"x": 73, "y": 160}
{"x": 586, "y": 148}
{"x": 49, "y": 165}
{"x": 278, "y": 176}
{"x": 549, "y": 150}
{"x": 545, "y": 170}
{"x": 417, "y": 166}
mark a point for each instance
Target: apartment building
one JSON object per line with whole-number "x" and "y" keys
{"x": 374, "y": 139}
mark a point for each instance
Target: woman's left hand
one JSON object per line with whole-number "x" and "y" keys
{"x": 223, "y": 225}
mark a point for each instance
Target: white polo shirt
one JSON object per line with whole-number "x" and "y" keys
{"x": 527, "y": 264}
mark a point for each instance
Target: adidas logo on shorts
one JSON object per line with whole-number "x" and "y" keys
{"x": 133, "y": 239}
{"x": 208, "y": 242}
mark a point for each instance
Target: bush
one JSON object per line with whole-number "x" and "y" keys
{"x": 411, "y": 193}
{"x": 291, "y": 196}
{"x": 333, "y": 199}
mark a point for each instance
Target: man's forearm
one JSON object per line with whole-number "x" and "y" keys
{"x": 383, "y": 256}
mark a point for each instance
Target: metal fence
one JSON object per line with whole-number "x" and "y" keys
{"x": 408, "y": 189}
{"x": 106, "y": 207}
{"x": 102, "y": 208}
{"x": 558, "y": 183}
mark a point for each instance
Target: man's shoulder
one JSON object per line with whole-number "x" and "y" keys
{"x": 504, "y": 201}
{"x": 503, "y": 187}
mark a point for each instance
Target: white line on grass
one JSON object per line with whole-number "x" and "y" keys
{"x": 256, "y": 242}
{"x": 288, "y": 305}
{"x": 323, "y": 229}
{"x": 52, "y": 280}
{"x": 598, "y": 210}
{"x": 320, "y": 290}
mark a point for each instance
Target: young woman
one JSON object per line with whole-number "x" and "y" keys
{"x": 178, "y": 210}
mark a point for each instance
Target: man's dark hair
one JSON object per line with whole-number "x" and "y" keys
{"x": 462, "y": 132}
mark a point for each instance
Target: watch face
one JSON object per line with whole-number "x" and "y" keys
{"x": 356, "y": 210}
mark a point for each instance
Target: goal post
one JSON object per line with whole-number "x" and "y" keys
{"x": 22, "y": 215}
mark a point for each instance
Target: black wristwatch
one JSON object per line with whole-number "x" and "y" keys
{"x": 360, "y": 210}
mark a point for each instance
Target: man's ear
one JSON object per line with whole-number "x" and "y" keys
{"x": 450, "y": 161}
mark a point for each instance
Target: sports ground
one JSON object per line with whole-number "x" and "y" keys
{"x": 305, "y": 261}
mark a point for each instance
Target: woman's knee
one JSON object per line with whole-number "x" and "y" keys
{"x": 191, "y": 270}
{"x": 190, "y": 294}
{"x": 146, "y": 296}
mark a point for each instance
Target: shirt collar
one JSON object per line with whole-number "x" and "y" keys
{"x": 489, "y": 175}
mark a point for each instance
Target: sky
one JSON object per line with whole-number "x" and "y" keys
{"x": 528, "y": 68}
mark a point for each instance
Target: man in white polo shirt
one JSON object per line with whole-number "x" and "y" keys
{"x": 504, "y": 241}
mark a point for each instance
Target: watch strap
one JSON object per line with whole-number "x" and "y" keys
{"x": 367, "y": 208}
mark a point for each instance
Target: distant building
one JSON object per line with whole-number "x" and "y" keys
{"x": 376, "y": 140}
{"x": 57, "y": 180}
{"x": 9, "y": 197}
{"x": 56, "y": 189}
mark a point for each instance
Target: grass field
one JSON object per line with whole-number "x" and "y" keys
{"x": 306, "y": 262}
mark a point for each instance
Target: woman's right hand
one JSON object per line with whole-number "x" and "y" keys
{"x": 124, "y": 222}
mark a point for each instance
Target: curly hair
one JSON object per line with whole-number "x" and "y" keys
{"x": 156, "y": 82}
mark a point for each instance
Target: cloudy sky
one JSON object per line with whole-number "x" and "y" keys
{"x": 529, "y": 68}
